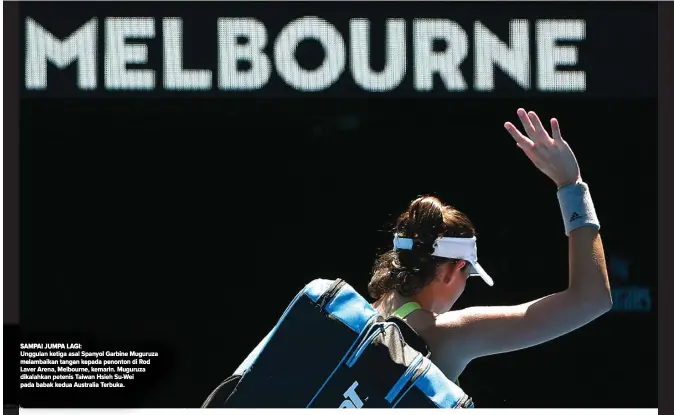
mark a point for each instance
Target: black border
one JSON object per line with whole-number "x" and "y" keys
{"x": 11, "y": 163}
{"x": 11, "y": 198}
{"x": 665, "y": 205}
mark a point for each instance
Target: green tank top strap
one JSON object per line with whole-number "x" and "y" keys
{"x": 406, "y": 309}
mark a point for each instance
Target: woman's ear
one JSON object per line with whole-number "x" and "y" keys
{"x": 461, "y": 268}
{"x": 445, "y": 272}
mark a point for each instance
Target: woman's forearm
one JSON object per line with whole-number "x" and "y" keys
{"x": 588, "y": 277}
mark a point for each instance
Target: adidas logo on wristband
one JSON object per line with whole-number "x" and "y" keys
{"x": 577, "y": 207}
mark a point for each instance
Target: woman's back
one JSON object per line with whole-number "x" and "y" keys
{"x": 424, "y": 324}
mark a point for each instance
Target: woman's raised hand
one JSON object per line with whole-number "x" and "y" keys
{"x": 551, "y": 155}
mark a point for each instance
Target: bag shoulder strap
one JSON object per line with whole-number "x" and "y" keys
{"x": 406, "y": 309}
{"x": 410, "y": 336}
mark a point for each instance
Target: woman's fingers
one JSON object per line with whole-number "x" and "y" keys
{"x": 536, "y": 122}
{"x": 556, "y": 132}
{"x": 525, "y": 144}
{"x": 526, "y": 123}
{"x": 522, "y": 141}
{"x": 551, "y": 155}
{"x": 541, "y": 135}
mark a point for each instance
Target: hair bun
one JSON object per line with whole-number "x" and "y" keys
{"x": 423, "y": 247}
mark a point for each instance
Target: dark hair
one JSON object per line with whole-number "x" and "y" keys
{"x": 408, "y": 271}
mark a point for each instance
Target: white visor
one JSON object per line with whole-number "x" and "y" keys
{"x": 452, "y": 248}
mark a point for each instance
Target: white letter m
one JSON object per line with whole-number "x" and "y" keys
{"x": 42, "y": 46}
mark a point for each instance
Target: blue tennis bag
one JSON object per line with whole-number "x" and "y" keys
{"x": 331, "y": 349}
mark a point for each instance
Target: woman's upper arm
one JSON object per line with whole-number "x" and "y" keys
{"x": 485, "y": 331}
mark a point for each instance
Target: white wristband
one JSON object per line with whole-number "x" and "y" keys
{"x": 577, "y": 207}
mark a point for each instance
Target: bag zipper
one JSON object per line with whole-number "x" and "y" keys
{"x": 330, "y": 293}
{"x": 404, "y": 379}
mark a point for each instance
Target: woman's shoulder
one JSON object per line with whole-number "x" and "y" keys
{"x": 430, "y": 323}
{"x": 426, "y": 325}
{"x": 444, "y": 344}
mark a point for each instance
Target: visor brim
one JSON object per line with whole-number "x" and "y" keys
{"x": 477, "y": 270}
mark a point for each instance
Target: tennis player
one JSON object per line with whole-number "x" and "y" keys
{"x": 435, "y": 252}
